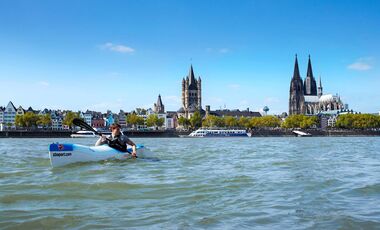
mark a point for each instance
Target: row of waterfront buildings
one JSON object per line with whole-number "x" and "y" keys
{"x": 95, "y": 119}
{"x": 305, "y": 97}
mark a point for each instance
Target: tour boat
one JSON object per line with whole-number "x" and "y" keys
{"x": 219, "y": 133}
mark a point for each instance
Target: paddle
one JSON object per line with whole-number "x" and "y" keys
{"x": 84, "y": 125}
{"x": 81, "y": 123}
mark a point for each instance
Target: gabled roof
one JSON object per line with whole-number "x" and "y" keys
{"x": 20, "y": 107}
{"x": 11, "y": 104}
{"x": 30, "y": 109}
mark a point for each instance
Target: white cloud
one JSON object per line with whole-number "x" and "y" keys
{"x": 43, "y": 83}
{"x": 117, "y": 48}
{"x": 217, "y": 50}
{"x": 234, "y": 86}
{"x": 224, "y": 50}
{"x": 362, "y": 64}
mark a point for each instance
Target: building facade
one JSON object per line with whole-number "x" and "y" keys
{"x": 306, "y": 98}
{"x": 9, "y": 115}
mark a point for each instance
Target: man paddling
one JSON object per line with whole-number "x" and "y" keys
{"x": 117, "y": 140}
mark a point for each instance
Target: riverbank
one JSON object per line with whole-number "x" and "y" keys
{"x": 172, "y": 133}
{"x": 65, "y": 134}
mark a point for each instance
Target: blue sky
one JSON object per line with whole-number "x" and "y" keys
{"x": 115, "y": 55}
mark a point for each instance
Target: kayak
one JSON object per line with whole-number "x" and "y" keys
{"x": 63, "y": 154}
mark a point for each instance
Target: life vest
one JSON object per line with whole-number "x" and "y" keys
{"x": 116, "y": 144}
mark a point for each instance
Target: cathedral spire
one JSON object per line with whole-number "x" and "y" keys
{"x": 309, "y": 69}
{"x": 296, "y": 74}
{"x": 310, "y": 85}
{"x": 320, "y": 89}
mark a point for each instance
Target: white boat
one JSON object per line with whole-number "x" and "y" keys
{"x": 63, "y": 154}
{"x": 219, "y": 133}
{"x": 299, "y": 133}
{"x": 84, "y": 134}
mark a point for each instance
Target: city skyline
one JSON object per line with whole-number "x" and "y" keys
{"x": 122, "y": 55}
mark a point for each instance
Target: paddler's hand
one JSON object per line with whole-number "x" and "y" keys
{"x": 134, "y": 151}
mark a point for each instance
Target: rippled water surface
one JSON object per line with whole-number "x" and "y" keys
{"x": 273, "y": 183}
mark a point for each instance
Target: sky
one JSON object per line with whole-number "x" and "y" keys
{"x": 112, "y": 55}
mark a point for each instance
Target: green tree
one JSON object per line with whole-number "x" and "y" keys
{"x": 160, "y": 122}
{"x": 69, "y": 117}
{"x": 183, "y": 121}
{"x": 230, "y": 121}
{"x": 140, "y": 120}
{"x": 270, "y": 121}
{"x": 196, "y": 120}
{"x": 44, "y": 120}
{"x": 300, "y": 121}
{"x": 151, "y": 120}
{"x": 358, "y": 121}
{"x": 30, "y": 119}
{"x": 19, "y": 121}
{"x": 210, "y": 121}
{"x": 244, "y": 122}
{"x": 133, "y": 119}
{"x": 219, "y": 122}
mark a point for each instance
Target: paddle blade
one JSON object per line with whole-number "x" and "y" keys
{"x": 81, "y": 123}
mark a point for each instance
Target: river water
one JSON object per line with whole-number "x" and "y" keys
{"x": 226, "y": 183}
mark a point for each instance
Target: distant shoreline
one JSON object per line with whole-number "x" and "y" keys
{"x": 172, "y": 133}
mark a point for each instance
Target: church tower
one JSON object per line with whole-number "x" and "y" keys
{"x": 159, "y": 107}
{"x": 310, "y": 85}
{"x": 191, "y": 94}
{"x": 296, "y": 94}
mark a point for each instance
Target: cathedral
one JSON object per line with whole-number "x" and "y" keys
{"x": 306, "y": 98}
{"x": 191, "y": 95}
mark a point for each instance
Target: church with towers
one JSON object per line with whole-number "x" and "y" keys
{"x": 191, "y": 95}
{"x": 306, "y": 98}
